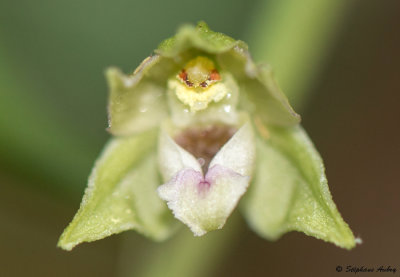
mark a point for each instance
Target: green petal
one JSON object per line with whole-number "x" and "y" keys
{"x": 259, "y": 93}
{"x": 269, "y": 102}
{"x": 135, "y": 104}
{"x": 121, "y": 194}
{"x": 290, "y": 191}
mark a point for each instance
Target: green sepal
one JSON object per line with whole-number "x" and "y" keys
{"x": 290, "y": 191}
{"x": 122, "y": 194}
{"x": 199, "y": 37}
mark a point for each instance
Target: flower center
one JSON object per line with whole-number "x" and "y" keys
{"x": 199, "y": 73}
{"x": 198, "y": 83}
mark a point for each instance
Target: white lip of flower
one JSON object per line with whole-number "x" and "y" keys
{"x": 204, "y": 202}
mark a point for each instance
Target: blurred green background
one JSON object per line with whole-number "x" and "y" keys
{"x": 53, "y": 98}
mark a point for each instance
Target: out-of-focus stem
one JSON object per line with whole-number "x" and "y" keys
{"x": 183, "y": 255}
{"x": 294, "y": 37}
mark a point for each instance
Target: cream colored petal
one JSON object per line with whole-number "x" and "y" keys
{"x": 238, "y": 154}
{"x": 172, "y": 158}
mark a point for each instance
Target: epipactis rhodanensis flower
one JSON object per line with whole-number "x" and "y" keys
{"x": 199, "y": 129}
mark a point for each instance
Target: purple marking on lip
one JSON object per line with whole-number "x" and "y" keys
{"x": 190, "y": 177}
{"x": 203, "y": 186}
{"x": 204, "y": 202}
{"x": 204, "y": 183}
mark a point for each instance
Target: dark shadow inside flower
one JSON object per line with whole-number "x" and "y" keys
{"x": 204, "y": 142}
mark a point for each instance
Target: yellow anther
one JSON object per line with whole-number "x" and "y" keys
{"x": 199, "y": 72}
{"x": 193, "y": 86}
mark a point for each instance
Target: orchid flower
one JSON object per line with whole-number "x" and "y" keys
{"x": 198, "y": 130}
